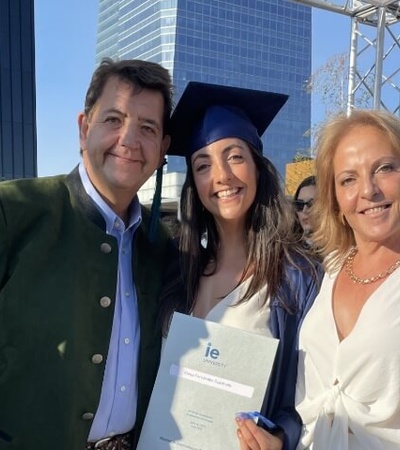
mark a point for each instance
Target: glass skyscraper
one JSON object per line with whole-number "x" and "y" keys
{"x": 257, "y": 44}
{"x": 17, "y": 90}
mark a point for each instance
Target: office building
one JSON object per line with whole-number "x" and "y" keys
{"x": 257, "y": 44}
{"x": 17, "y": 90}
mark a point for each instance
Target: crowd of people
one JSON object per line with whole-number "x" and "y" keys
{"x": 89, "y": 278}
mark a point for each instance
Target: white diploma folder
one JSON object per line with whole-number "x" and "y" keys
{"x": 208, "y": 373}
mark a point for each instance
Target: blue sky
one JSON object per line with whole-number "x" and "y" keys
{"x": 65, "y": 60}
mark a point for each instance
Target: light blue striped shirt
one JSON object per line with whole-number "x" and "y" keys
{"x": 116, "y": 413}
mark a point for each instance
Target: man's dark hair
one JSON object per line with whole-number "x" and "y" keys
{"x": 137, "y": 73}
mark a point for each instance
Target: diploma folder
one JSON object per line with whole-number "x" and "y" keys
{"x": 208, "y": 373}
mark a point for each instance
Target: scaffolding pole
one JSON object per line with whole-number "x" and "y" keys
{"x": 374, "y": 54}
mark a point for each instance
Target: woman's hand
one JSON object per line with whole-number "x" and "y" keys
{"x": 252, "y": 437}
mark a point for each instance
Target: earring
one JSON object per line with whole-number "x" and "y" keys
{"x": 342, "y": 219}
{"x": 204, "y": 239}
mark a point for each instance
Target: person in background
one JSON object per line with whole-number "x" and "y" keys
{"x": 241, "y": 263}
{"x": 349, "y": 365}
{"x": 81, "y": 269}
{"x": 303, "y": 200}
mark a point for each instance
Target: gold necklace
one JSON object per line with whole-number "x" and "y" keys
{"x": 349, "y": 270}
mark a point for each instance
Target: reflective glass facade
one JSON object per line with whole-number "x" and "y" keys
{"x": 258, "y": 44}
{"x": 17, "y": 90}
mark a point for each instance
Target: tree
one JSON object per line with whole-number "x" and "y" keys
{"x": 329, "y": 85}
{"x": 298, "y": 157}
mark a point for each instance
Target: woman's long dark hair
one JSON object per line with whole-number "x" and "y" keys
{"x": 270, "y": 241}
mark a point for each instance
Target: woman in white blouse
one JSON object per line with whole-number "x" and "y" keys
{"x": 348, "y": 388}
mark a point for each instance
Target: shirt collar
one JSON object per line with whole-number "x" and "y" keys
{"x": 110, "y": 217}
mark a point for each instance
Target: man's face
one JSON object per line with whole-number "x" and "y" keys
{"x": 122, "y": 141}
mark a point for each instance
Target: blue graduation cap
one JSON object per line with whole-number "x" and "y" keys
{"x": 207, "y": 113}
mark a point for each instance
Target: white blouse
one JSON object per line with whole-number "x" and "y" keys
{"x": 348, "y": 392}
{"x": 249, "y": 315}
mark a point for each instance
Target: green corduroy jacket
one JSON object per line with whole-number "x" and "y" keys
{"x": 58, "y": 268}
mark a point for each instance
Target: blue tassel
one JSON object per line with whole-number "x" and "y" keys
{"x": 156, "y": 205}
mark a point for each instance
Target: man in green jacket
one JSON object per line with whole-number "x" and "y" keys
{"x": 80, "y": 275}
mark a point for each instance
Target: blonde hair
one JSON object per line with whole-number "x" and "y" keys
{"x": 332, "y": 234}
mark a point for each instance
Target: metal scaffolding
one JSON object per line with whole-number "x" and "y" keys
{"x": 374, "y": 54}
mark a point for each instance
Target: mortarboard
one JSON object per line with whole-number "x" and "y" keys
{"x": 207, "y": 112}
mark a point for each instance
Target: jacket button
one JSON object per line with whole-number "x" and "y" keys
{"x": 105, "y": 248}
{"x": 105, "y": 302}
{"x": 97, "y": 358}
{"x": 87, "y": 416}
